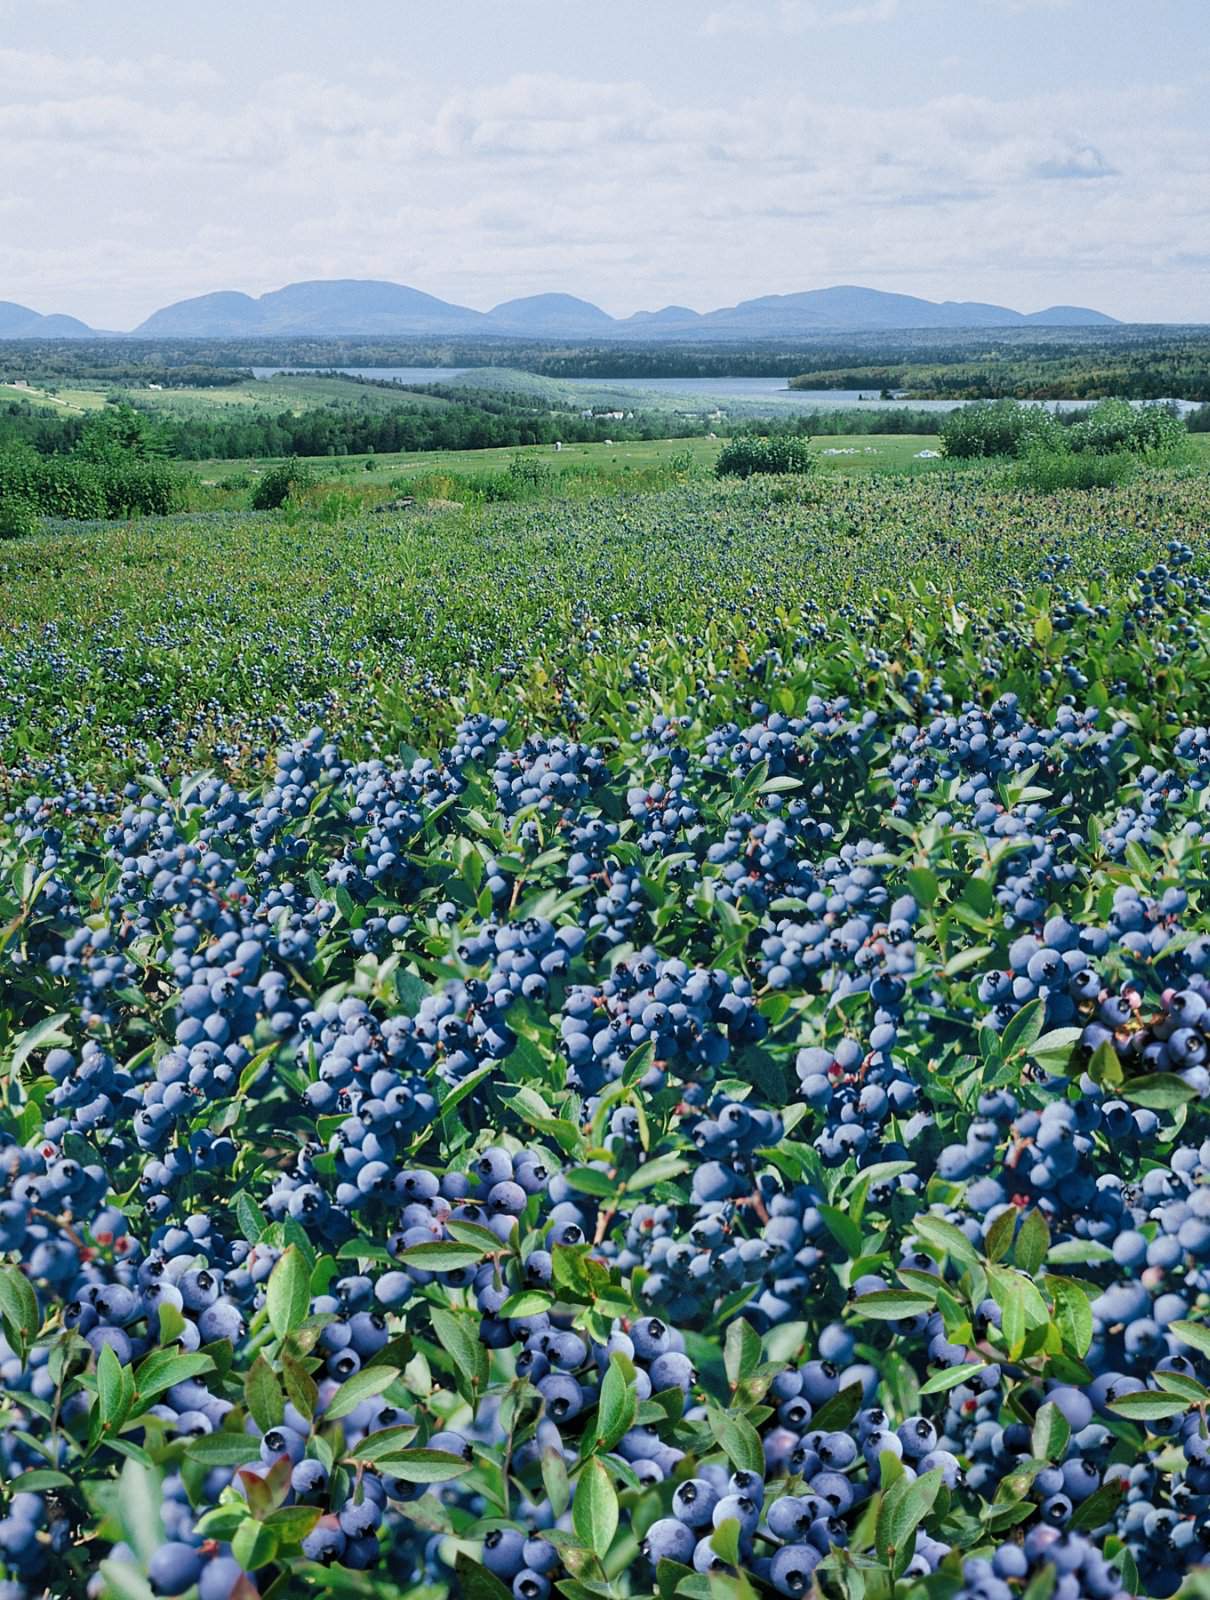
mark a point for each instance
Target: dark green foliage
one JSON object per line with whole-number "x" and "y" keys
{"x": 777, "y": 453}
{"x": 119, "y": 434}
{"x": 1116, "y": 425}
{"x": 281, "y": 483}
{"x": 19, "y": 516}
{"x": 80, "y": 489}
{"x": 998, "y": 428}
{"x": 1050, "y": 471}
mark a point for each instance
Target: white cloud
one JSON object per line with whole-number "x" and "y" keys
{"x": 167, "y": 183}
{"x": 798, "y": 16}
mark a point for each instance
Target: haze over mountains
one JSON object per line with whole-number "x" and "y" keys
{"x": 365, "y": 307}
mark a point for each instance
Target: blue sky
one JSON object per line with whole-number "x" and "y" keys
{"x": 1022, "y": 151}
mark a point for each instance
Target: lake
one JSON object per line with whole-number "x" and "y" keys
{"x": 747, "y": 394}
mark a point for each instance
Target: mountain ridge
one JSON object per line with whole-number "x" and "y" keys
{"x": 366, "y": 307}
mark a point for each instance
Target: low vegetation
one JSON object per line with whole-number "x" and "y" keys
{"x": 610, "y": 1049}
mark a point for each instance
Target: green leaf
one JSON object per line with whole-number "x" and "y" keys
{"x": 1021, "y": 1306}
{"x": 1024, "y": 1029}
{"x": 384, "y": 1442}
{"x": 424, "y": 1466}
{"x": 528, "y": 1303}
{"x": 19, "y": 1305}
{"x": 843, "y": 1229}
{"x": 904, "y": 1506}
{"x": 1078, "y": 1253}
{"x": 738, "y": 1439}
{"x": 458, "y": 1335}
{"x": 472, "y": 1233}
{"x": 1050, "y": 1434}
{"x": 741, "y": 1351}
{"x": 292, "y": 1524}
{"x": 124, "y": 1582}
{"x": 110, "y": 1388}
{"x": 43, "y": 1035}
{"x": 253, "y": 1221}
{"x": 1072, "y": 1313}
{"x": 1162, "y": 1091}
{"x": 594, "y": 1511}
{"x": 1000, "y": 1235}
{"x": 300, "y": 1386}
{"x": 1042, "y": 1585}
{"x": 254, "y": 1544}
{"x": 1099, "y": 1508}
{"x": 590, "y": 1180}
{"x": 361, "y": 1386}
{"x": 950, "y": 1378}
{"x": 163, "y": 1368}
{"x": 724, "y": 1541}
{"x": 923, "y": 885}
{"x": 662, "y": 1170}
{"x": 945, "y": 1236}
{"x": 616, "y": 1407}
{"x": 1177, "y": 1383}
{"x": 223, "y": 1449}
{"x": 1105, "y": 1067}
{"x": 835, "y": 1414}
{"x": 784, "y": 1342}
{"x": 554, "y": 1480}
{"x": 1053, "y": 1050}
{"x": 38, "y": 1480}
{"x": 138, "y": 1502}
{"x": 1033, "y": 1241}
{"x": 890, "y": 1305}
{"x": 475, "y": 1582}
{"x": 262, "y": 1395}
{"x": 1148, "y": 1406}
{"x": 1194, "y": 1334}
{"x": 289, "y": 1292}
{"x": 439, "y": 1257}
{"x": 1128, "y": 1567}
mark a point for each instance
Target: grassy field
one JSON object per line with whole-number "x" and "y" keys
{"x": 181, "y": 634}
{"x": 296, "y": 394}
{"x": 861, "y": 453}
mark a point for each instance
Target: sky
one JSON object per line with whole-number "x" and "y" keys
{"x": 634, "y": 152}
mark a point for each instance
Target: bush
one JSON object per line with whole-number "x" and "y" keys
{"x": 1116, "y": 425}
{"x": 84, "y": 489}
{"x": 775, "y": 453}
{"x": 71, "y": 488}
{"x": 281, "y": 483}
{"x": 1045, "y": 471}
{"x": 998, "y": 428}
{"x": 142, "y": 488}
{"x": 18, "y": 516}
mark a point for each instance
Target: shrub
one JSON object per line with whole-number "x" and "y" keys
{"x": 72, "y": 488}
{"x": 83, "y": 488}
{"x": 18, "y": 516}
{"x": 1115, "y": 425}
{"x": 1044, "y": 471}
{"x": 281, "y": 483}
{"x": 998, "y": 428}
{"x": 141, "y": 487}
{"x": 752, "y": 453}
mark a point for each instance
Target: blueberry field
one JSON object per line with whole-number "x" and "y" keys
{"x": 643, "y": 1046}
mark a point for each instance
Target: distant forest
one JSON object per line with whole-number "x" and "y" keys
{"x": 1025, "y": 363}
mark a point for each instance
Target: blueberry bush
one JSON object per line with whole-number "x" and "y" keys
{"x": 693, "y": 1081}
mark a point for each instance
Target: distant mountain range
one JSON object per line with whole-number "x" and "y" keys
{"x": 19, "y": 322}
{"x": 365, "y": 308}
